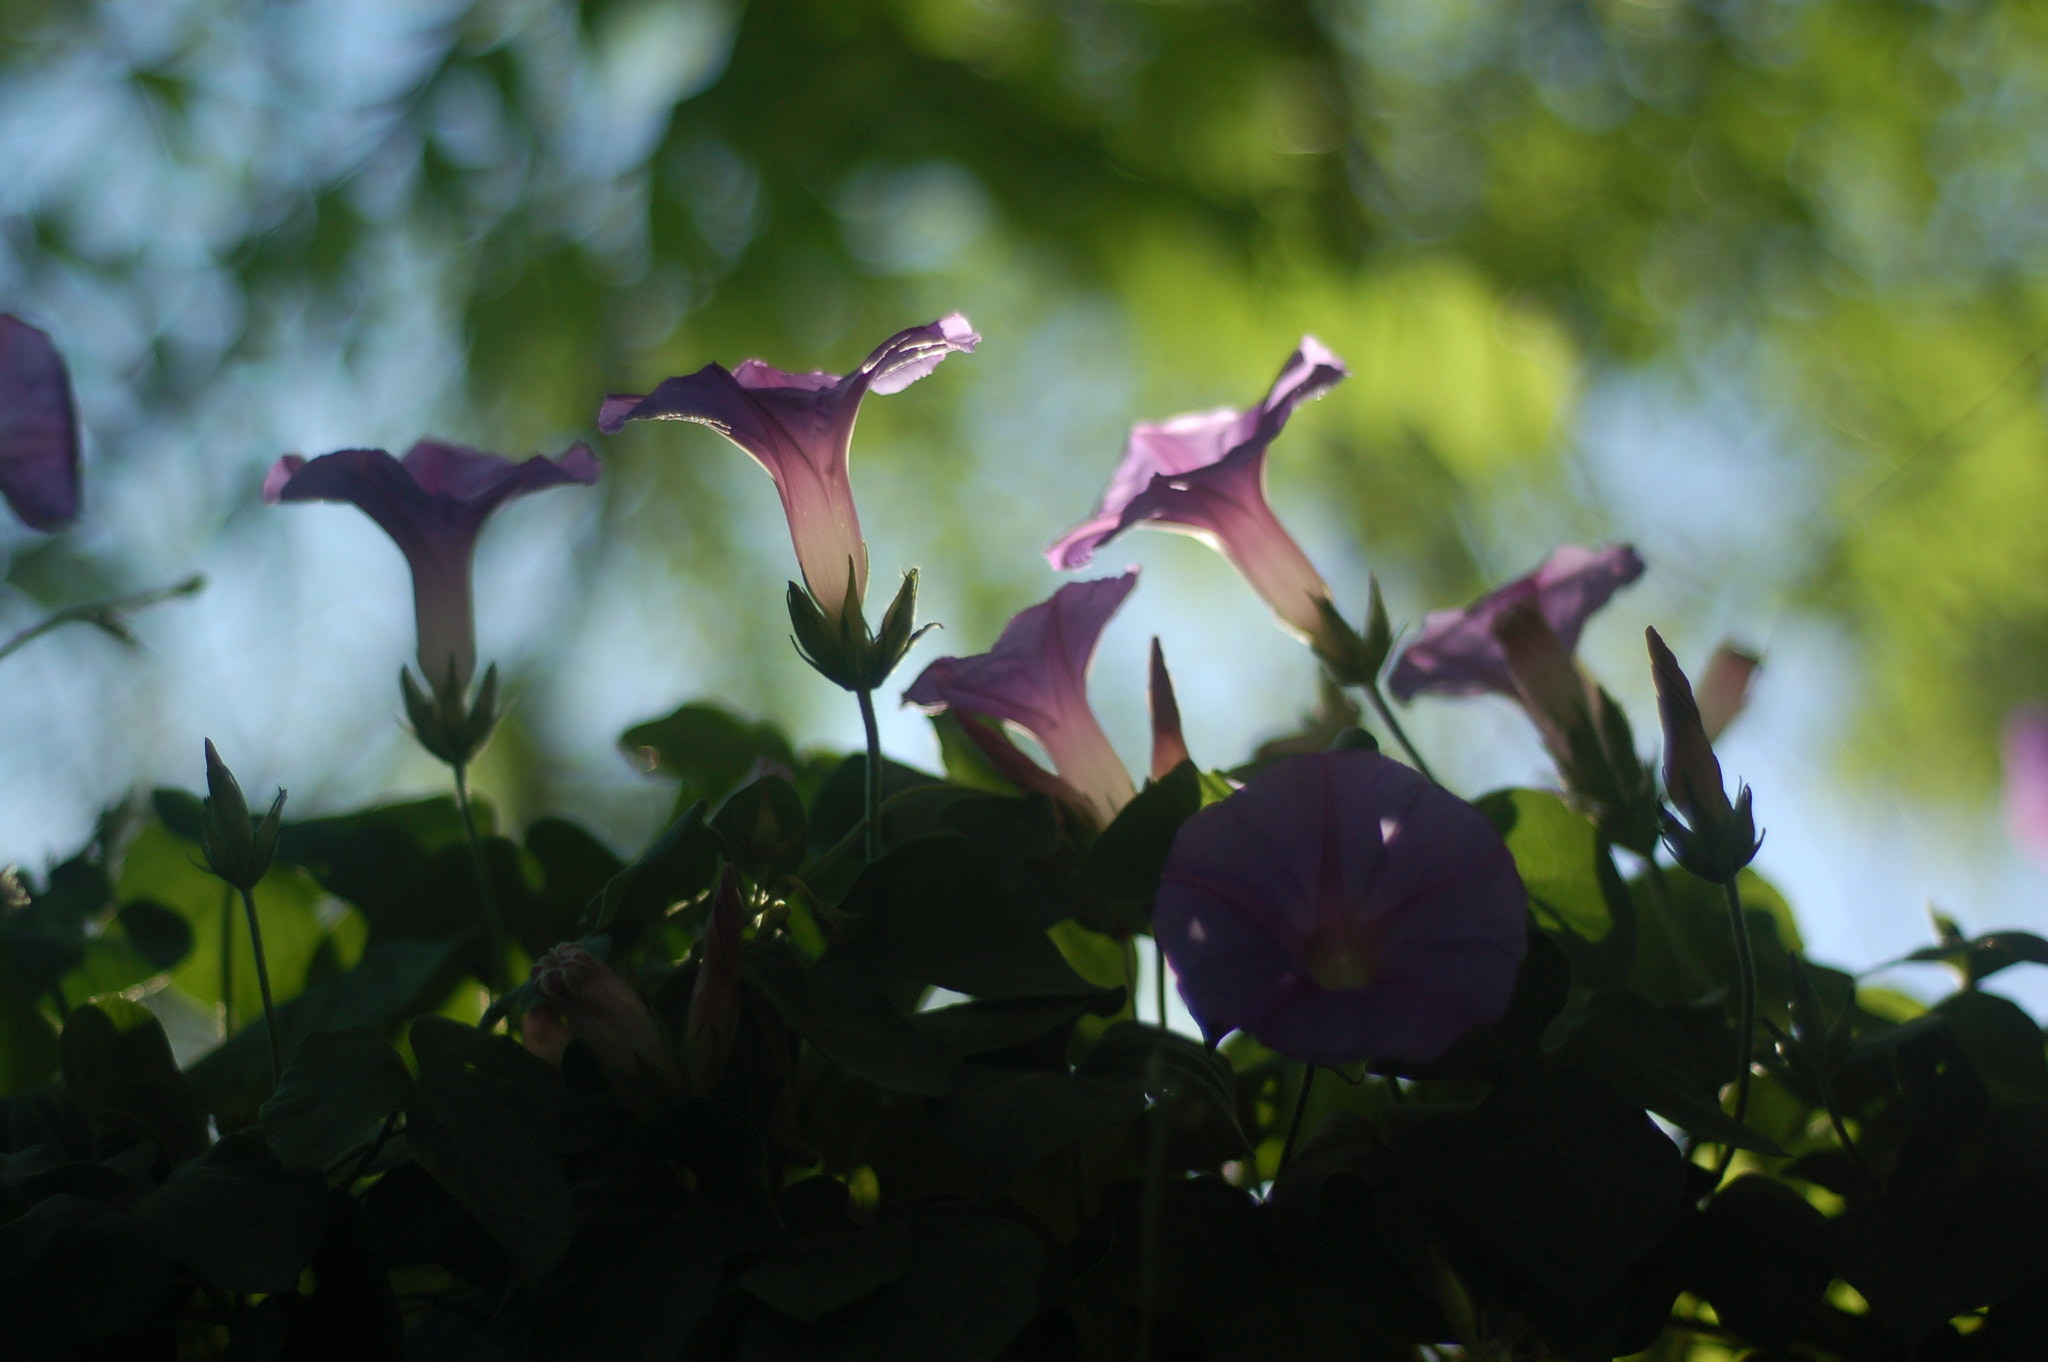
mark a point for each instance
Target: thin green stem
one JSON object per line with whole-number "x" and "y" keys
{"x": 1308, "y": 1079}
{"x": 1159, "y": 978}
{"x": 494, "y": 925}
{"x": 106, "y": 614}
{"x": 263, "y": 983}
{"x": 1827, "y": 1098}
{"x": 227, "y": 960}
{"x": 873, "y": 802}
{"x": 1745, "y": 965}
{"x": 1386, "y": 713}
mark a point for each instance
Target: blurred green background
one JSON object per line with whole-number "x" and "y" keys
{"x": 1755, "y": 283}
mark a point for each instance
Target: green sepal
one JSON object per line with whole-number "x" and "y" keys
{"x": 443, "y": 724}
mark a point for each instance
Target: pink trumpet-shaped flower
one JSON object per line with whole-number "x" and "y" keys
{"x": 433, "y": 504}
{"x": 1205, "y": 474}
{"x": 1458, "y": 651}
{"x": 1036, "y": 678}
{"x": 800, "y": 428}
{"x": 38, "y": 429}
{"x": 1341, "y": 907}
{"x": 2026, "y": 780}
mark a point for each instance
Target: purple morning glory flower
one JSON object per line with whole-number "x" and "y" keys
{"x": 1205, "y": 474}
{"x": 1341, "y": 907}
{"x": 38, "y": 429}
{"x": 800, "y": 427}
{"x": 2026, "y": 780}
{"x": 1457, "y": 652}
{"x": 1036, "y": 678}
{"x": 433, "y": 503}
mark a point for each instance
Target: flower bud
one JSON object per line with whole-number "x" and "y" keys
{"x": 603, "y": 1011}
{"x": 1724, "y": 690}
{"x": 1169, "y": 749}
{"x": 237, "y": 848}
{"x": 1715, "y": 839}
{"x": 1354, "y": 659}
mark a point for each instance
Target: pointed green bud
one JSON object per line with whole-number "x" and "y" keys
{"x": 1379, "y": 633}
{"x": 236, "y": 848}
{"x": 817, "y": 641}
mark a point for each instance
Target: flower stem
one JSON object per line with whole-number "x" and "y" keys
{"x": 227, "y": 960}
{"x": 1386, "y": 713}
{"x": 1827, "y": 1098}
{"x": 1745, "y": 965}
{"x": 874, "y": 770}
{"x": 263, "y": 983}
{"x": 1308, "y": 1078}
{"x": 107, "y": 614}
{"x": 1159, "y": 978}
{"x": 494, "y": 926}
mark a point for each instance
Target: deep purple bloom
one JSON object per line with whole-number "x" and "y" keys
{"x": 1458, "y": 653}
{"x": 1205, "y": 474}
{"x": 1036, "y": 678}
{"x": 800, "y": 427}
{"x": 433, "y": 503}
{"x": 38, "y": 429}
{"x": 2026, "y": 780}
{"x": 1341, "y": 907}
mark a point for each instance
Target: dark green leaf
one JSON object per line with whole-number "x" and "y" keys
{"x": 575, "y": 867}
{"x": 1573, "y": 890}
{"x": 763, "y": 828}
{"x": 160, "y": 935}
{"x": 970, "y": 1288}
{"x": 1635, "y": 1048}
{"x": 478, "y": 1122}
{"x": 2001, "y": 1042}
{"x": 118, "y": 1065}
{"x": 810, "y": 1278}
{"x": 73, "y": 1271}
{"x": 932, "y": 910}
{"x": 980, "y": 1025}
{"x": 843, "y": 1008}
{"x": 1571, "y": 1184}
{"x": 710, "y": 750}
{"x": 680, "y": 865}
{"x": 238, "y": 1218}
{"x": 1006, "y": 1120}
{"x": 1123, "y": 864}
{"x": 391, "y": 981}
{"x": 336, "y": 1091}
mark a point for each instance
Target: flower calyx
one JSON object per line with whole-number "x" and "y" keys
{"x": 844, "y": 650}
{"x": 238, "y": 847}
{"x": 1354, "y": 658}
{"x": 444, "y": 722}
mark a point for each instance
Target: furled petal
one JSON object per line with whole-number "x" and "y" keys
{"x": 1340, "y": 907}
{"x": 1036, "y": 677}
{"x": 602, "y": 1011}
{"x": 1724, "y": 690}
{"x": 800, "y": 428}
{"x": 1457, "y": 652}
{"x": 2026, "y": 780}
{"x": 1204, "y": 474}
{"x": 1169, "y": 748}
{"x": 38, "y": 429}
{"x": 433, "y": 504}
